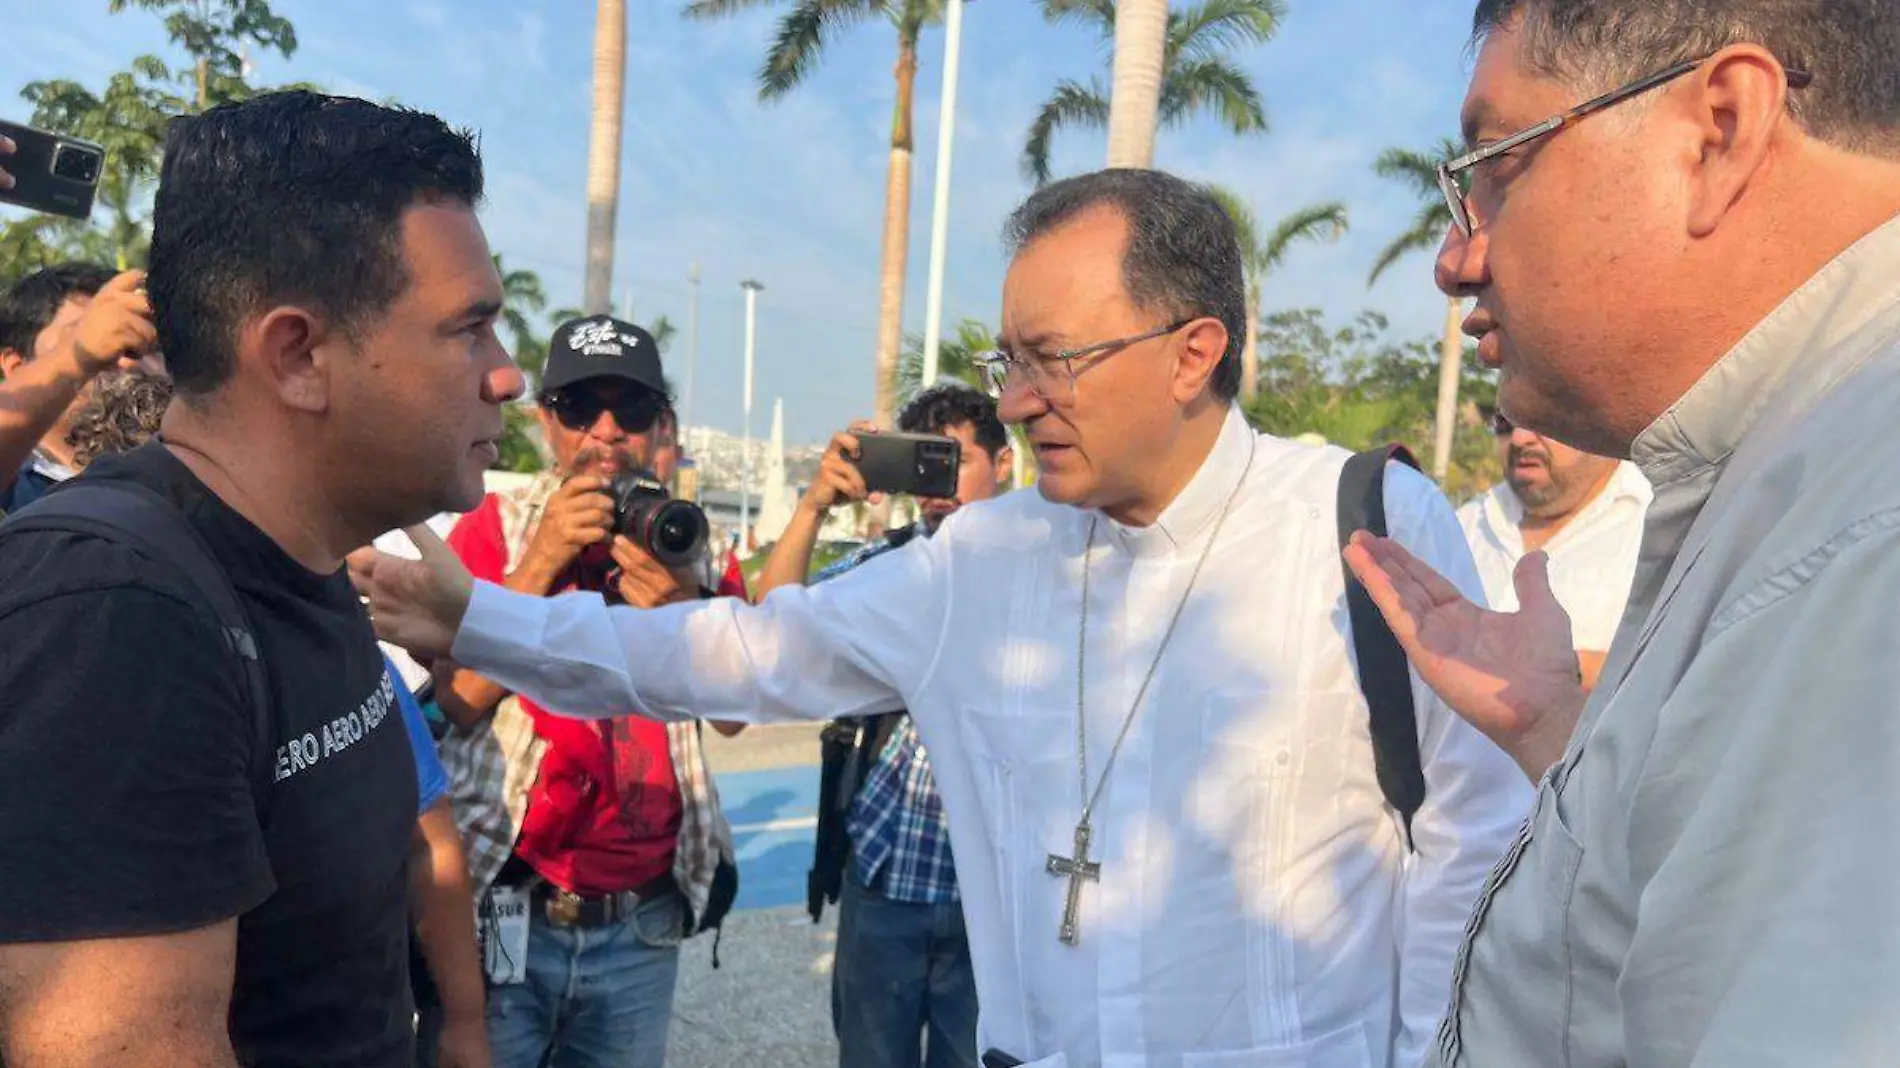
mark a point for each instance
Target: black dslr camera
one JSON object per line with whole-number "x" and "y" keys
{"x": 672, "y": 532}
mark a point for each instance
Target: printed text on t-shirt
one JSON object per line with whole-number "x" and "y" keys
{"x": 339, "y": 734}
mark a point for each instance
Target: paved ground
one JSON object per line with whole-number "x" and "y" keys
{"x": 768, "y": 1003}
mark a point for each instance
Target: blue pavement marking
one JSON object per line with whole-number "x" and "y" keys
{"x": 774, "y": 816}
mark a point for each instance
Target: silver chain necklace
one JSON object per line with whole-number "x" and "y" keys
{"x": 1080, "y": 868}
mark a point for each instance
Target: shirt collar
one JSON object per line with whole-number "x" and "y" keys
{"x": 1505, "y": 512}
{"x": 51, "y": 468}
{"x": 1704, "y": 426}
{"x": 1199, "y": 502}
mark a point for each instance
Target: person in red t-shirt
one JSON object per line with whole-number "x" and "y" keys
{"x": 607, "y": 831}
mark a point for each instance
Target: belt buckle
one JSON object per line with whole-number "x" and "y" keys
{"x": 564, "y": 908}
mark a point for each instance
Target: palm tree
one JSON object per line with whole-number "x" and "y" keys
{"x": 1420, "y": 171}
{"x": 603, "y": 151}
{"x": 522, "y": 295}
{"x": 802, "y": 36}
{"x": 1263, "y": 253}
{"x": 1197, "y": 73}
{"x": 1141, "y": 35}
{"x": 956, "y": 359}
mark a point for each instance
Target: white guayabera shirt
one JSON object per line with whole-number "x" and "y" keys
{"x": 1711, "y": 875}
{"x": 1256, "y": 904}
{"x": 1592, "y": 559}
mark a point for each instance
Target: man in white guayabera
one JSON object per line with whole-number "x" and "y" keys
{"x": 1137, "y": 686}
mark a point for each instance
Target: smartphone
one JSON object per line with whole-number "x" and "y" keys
{"x": 922, "y": 465}
{"x": 51, "y": 172}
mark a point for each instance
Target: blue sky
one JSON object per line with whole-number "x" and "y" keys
{"x": 791, "y": 193}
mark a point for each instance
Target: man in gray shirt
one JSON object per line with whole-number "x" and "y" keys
{"x": 1699, "y": 270}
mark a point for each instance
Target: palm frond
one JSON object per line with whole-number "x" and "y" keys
{"x": 1097, "y": 13}
{"x": 1072, "y": 104}
{"x": 1212, "y": 85}
{"x": 801, "y": 38}
{"x": 956, "y": 358}
{"x": 715, "y": 9}
{"x": 1411, "y": 168}
{"x": 1315, "y": 222}
{"x": 663, "y": 331}
{"x": 1428, "y": 229}
{"x": 1214, "y": 28}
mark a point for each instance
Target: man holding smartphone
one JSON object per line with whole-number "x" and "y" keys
{"x": 902, "y": 969}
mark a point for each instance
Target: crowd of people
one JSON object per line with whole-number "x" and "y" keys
{"x": 1115, "y": 771}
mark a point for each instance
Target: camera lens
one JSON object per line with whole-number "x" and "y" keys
{"x": 677, "y": 534}
{"x": 76, "y": 164}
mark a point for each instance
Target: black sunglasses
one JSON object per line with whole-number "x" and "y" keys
{"x": 1501, "y": 426}
{"x": 579, "y": 409}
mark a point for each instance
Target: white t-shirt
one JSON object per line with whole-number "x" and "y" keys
{"x": 1592, "y": 560}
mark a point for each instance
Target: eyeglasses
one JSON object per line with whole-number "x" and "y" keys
{"x": 1053, "y": 377}
{"x": 634, "y": 413}
{"x": 1500, "y": 426}
{"x": 1451, "y": 180}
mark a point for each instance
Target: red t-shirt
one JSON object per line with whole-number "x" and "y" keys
{"x": 581, "y": 832}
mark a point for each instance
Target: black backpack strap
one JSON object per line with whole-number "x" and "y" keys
{"x": 130, "y": 514}
{"x": 1384, "y": 675}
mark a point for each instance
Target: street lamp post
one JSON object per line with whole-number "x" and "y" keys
{"x": 752, "y": 289}
{"x": 940, "y": 211}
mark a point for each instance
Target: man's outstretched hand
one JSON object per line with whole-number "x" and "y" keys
{"x": 417, "y": 604}
{"x": 1514, "y": 676}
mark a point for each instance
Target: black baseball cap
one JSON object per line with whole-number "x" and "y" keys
{"x": 600, "y": 346}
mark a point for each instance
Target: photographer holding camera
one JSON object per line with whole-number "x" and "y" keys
{"x": 594, "y": 848}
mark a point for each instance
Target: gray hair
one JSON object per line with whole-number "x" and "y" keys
{"x": 1183, "y": 258}
{"x": 1848, "y": 45}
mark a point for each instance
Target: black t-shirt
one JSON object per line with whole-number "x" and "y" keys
{"x": 127, "y": 776}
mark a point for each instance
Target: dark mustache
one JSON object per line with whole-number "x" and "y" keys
{"x": 591, "y": 454}
{"x": 1519, "y": 453}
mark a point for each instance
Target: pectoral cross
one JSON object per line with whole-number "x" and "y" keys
{"x": 1075, "y": 869}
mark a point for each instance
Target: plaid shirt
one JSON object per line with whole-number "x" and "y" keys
{"x": 493, "y": 765}
{"x": 896, "y": 823}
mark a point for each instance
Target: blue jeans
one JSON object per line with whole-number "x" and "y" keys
{"x": 594, "y": 997}
{"x": 902, "y": 972}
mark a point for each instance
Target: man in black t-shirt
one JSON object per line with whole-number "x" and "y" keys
{"x": 326, "y": 303}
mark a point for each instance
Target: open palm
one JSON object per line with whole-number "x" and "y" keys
{"x": 1512, "y": 675}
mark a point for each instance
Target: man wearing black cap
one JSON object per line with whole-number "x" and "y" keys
{"x": 594, "y": 849}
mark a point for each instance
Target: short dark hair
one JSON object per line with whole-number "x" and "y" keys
{"x": 939, "y": 408}
{"x": 1183, "y": 256}
{"x": 1848, "y": 45}
{"x": 30, "y": 305}
{"x": 291, "y": 195}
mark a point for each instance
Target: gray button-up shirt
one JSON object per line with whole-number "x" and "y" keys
{"x": 1711, "y": 875}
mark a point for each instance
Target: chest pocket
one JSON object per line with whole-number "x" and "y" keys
{"x": 1264, "y": 756}
{"x": 1019, "y": 760}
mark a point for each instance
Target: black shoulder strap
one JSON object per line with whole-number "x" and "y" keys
{"x": 132, "y": 515}
{"x": 1384, "y": 676}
